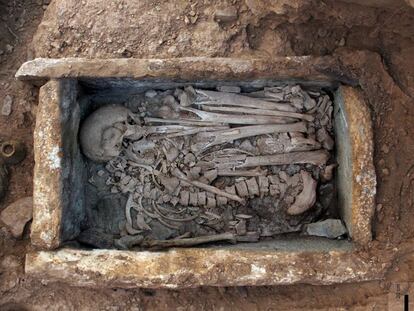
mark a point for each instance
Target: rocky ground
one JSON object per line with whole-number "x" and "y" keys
{"x": 374, "y": 46}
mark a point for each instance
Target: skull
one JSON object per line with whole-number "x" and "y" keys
{"x": 102, "y": 132}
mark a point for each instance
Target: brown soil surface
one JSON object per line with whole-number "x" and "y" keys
{"x": 374, "y": 46}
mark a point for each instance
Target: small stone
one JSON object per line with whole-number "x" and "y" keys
{"x": 385, "y": 149}
{"x": 241, "y": 227}
{"x": 385, "y": 171}
{"x": 379, "y": 207}
{"x": 329, "y": 228}
{"x": 9, "y": 48}
{"x": 7, "y": 105}
{"x": 229, "y": 89}
{"x": 226, "y": 15}
{"x": 341, "y": 42}
{"x": 186, "y": 20}
{"x": 16, "y": 215}
{"x": 150, "y": 93}
{"x": 10, "y": 262}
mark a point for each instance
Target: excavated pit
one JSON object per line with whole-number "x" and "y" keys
{"x": 66, "y": 195}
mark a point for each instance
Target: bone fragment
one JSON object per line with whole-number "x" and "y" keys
{"x": 252, "y": 186}
{"x": 195, "y": 130}
{"x": 184, "y": 197}
{"x": 230, "y": 189}
{"x": 209, "y": 139}
{"x": 318, "y": 158}
{"x": 241, "y": 188}
{"x": 247, "y": 173}
{"x": 141, "y": 224}
{"x": 211, "y": 175}
{"x": 202, "y": 198}
{"x": 325, "y": 139}
{"x": 193, "y": 199}
{"x": 221, "y": 200}
{"x": 228, "y": 237}
{"x": 263, "y": 112}
{"x": 170, "y": 183}
{"x": 236, "y": 119}
{"x": 263, "y": 185}
{"x": 180, "y": 175}
{"x": 181, "y": 121}
{"x": 307, "y": 198}
{"x": 241, "y": 227}
{"x": 327, "y": 173}
{"x": 229, "y": 99}
{"x": 211, "y": 202}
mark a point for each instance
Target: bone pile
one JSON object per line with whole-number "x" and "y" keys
{"x": 198, "y": 161}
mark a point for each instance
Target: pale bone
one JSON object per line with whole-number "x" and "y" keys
{"x": 196, "y": 130}
{"x": 193, "y": 199}
{"x": 252, "y": 186}
{"x": 325, "y": 139}
{"x": 184, "y": 197}
{"x": 182, "y": 121}
{"x": 128, "y": 226}
{"x": 229, "y": 237}
{"x": 141, "y": 223}
{"x": 156, "y": 208}
{"x": 211, "y": 175}
{"x": 202, "y": 198}
{"x": 231, "y": 99}
{"x": 99, "y": 138}
{"x": 236, "y": 119}
{"x": 160, "y": 217}
{"x": 248, "y": 173}
{"x": 327, "y": 173}
{"x": 263, "y": 112}
{"x": 211, "y": 202}
{"x": 209, "y": 139}
{"x": 317, "y": 158}
{"x": 306, "y": 198}
{"x": 180, "y": 175}
{"x": 241, "y": 188}
{"x": 302, "y": 144}
{"x": 221, "y": 200}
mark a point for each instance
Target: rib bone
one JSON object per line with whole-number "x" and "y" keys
{"x": 307, "y": 198}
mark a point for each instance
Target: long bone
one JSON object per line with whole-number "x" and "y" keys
{"x": 318, "y": 157}
{"x": 231, "y": 99}
{"x": 237, "y": 119}
{"x": 263, "y": 112}
{"x": 186, "y": 242}
{"x": 182, "y": 121}
{"x": 209, "y": 139}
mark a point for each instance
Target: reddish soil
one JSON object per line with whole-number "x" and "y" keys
{"x": 375, "y": 47}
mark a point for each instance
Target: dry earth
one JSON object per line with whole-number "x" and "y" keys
{"x": 374, "y": 45}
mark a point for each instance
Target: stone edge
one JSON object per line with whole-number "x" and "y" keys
{"x": 47, "y": 206}
{"x": 195, "y": 267}
{"x": 363, "y": 170}
{"x": 187, "y": 68}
